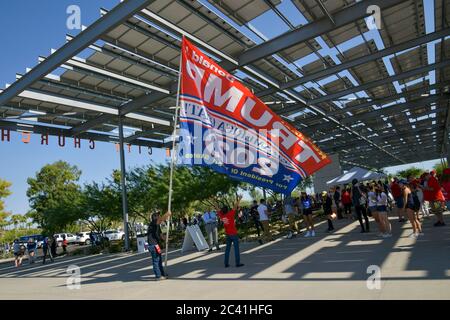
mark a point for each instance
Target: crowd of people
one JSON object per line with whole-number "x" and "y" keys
{"x": 412, "y": 199}
{"x": 49, "y": 247}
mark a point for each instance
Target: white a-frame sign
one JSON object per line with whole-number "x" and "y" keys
{"x": 193, "y": 235}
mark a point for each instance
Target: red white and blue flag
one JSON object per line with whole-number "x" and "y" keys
{"x": 226, "y": 127}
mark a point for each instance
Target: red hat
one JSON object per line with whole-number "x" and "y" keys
{"x": 446, "y": 171}
{"x": 433, "y": 172}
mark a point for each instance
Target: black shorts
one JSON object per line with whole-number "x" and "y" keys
{"x": 307, "y": 212}
{"x": 413, "y": 207}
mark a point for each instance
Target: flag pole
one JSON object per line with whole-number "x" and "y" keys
{"x": 173, "y": 154}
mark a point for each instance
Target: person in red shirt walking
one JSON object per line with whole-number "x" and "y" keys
{"x": 227, "y": 216}
{"x": 437, "y": 199}
{"x": 347, "y": 203}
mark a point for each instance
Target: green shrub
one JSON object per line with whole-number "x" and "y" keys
{"x": 116, "y": 247}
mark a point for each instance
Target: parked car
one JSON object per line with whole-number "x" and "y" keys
{"x": 114, "y": 235}
{"x": 71, "y": 238}
{"x": 83, "y": 238}
{"x": 38, "y": 238}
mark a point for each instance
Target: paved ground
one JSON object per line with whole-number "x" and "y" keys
{"x": 330, "y": 266}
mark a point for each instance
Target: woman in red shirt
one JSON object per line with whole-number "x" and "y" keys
{"x": 347, "y": 203}
{"x": 437, "y": 199}
{"x": 446, "y": 186}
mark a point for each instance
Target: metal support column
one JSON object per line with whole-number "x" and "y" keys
{"x": 123, "y": 187}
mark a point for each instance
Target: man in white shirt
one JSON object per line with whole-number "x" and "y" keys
{"x": 264, "y": 214}
{"x": 210, "y": 219}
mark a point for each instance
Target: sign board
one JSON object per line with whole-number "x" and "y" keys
{"x": 142, "y": 245}
{"x": 193, "y": 235}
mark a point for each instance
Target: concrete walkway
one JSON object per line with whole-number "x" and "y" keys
{"x": 329, "y": 266}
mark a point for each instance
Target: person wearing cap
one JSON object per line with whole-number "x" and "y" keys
{"x": 437, "y": 199}
{"x": 359, "y": 202}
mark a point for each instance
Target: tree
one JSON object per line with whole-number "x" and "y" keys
{"x": 410, "y": 172}
{"x": 255, "y": 194}
{"x": 55, "y": 196}
{"x": 101, "y": 206}
{"x": 18, "y": 221}
{"x": 4, "y": 192}
{"x": 148, "y": 189}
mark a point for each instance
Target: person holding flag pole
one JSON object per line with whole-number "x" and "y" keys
{"x": 226, "y": 127}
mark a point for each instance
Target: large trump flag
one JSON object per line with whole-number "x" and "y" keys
{"x": 226, "y": 127}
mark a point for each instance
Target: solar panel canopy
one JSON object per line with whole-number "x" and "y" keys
{"x": 367, "y": 80}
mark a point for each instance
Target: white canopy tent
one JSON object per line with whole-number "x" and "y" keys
{"x": 356, "y": 173}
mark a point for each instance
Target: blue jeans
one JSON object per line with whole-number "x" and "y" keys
{"x": 235, "y": 240}
{"x": 157, "y": 262}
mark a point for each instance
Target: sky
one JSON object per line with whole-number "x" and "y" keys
{"x": 29, "y": 29}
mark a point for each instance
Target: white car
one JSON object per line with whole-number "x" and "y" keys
{"x": 83, "y": 238}
{"x": 71, "y": 238}
{"x": 114, "y": 235}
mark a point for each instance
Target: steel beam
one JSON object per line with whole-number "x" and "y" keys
{"x": 380, "y": 82}
{"x": 394, "y": 109}
{"x": 387, "y": 111}
{"x": 142, "y": 101}
{"x": 383, "y": 100}
{"x": 137, "y": 59}
{"x": 313, "y": 29}
{"x": 82, "y": 104}
{"x": 106, "y": 23}
{"x": 331, "y": 70}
